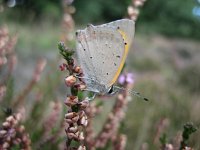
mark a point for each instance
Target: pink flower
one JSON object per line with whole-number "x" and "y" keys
{"x": 126, "y": 78}
{"x": 130, "y": 78}
{"x": 122, "y": 79}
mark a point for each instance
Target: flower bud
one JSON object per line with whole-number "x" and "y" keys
{"x": 71, "y": 100}
{"x": 3, "y": 60}
{"x": 133, "y": 12}
{"x": 108, "y": 126}
{"x": 69, "y": 121}
{"x": 81, "y": 147}
{"x": 82, "y": 86}
{"x": 6, "y": 124}
{"x": 15, "y": 122}
{"x": 120, "y": 97}
{"x": 75, "y": 118}
{"x": 10, "y": 119}
{"x": 77, "y": 69}
{"x": 70, "y": 80}
{"x": 72, "y": 136}
{"x": 70, "y": 115}
{"x": 8, "y": 138}
{"x": 81, "y": 136}
{"x": 73, "y": 129}
{"x": 21, "y": 128}
{"x": 138, "y": 3}
{"x": 83, "y": 121}
{"x": 63, "y": 67}
{"x": 18, "y": 116}
{"x": 84, "y": 104}
{"x": 2, "y": 132}
{"x": 81, "y": 113}
{"x": 169, "y": 147}
{"x": 17, "y": 141}
{"x": 6, "y": 145}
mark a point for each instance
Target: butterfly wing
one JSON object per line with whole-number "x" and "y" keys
{"x": 100, "y": 51}
{"x": 126, "y": 27}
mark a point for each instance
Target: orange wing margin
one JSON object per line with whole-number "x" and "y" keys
{"x": 123, "y": 58}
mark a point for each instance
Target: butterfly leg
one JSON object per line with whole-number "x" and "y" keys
{"x": 91, "y": 98}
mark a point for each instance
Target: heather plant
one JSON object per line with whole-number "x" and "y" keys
{"x": 35, "y": 117}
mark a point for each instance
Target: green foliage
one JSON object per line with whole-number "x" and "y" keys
{"x": 90, "y": 11}
{"x": 189, "y": 78}
{"x": 145, "y": 65}
{"x": 65, "y": 52}
{"x": 189, "y": 128}
{"x": 172, "y": 18}
{"x": 32, "y": 10}
{"x": 163, "y": 139}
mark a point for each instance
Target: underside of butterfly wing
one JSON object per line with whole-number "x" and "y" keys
{"x": 100, "y": 53}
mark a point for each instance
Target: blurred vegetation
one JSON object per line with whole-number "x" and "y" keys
{"x": 172, "y": 18}
{"x": 173, "y": 90}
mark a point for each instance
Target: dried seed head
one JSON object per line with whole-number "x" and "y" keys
{"x": 70, "y": 80}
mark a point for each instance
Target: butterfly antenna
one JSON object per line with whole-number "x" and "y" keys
{"x": 133, "y": 93}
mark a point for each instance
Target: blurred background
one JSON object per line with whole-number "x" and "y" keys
{"x": 164, "y": 59}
